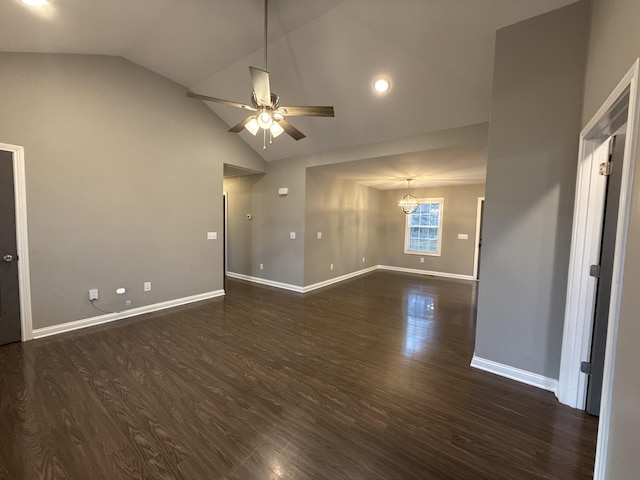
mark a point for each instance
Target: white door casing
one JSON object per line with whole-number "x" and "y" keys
{"x": 576, "y": 344}
{"x": 19, "y": 182}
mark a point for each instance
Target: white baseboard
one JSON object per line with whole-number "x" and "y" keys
{"x": 426, "y": 272}
{"x": 112, "y": 317}
{"x": 516, "y": 374}
{"x": 341, "y": 278}
{"x": 264, "y": 281}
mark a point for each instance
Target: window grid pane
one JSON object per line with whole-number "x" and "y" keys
{"x": 424, "y": 228}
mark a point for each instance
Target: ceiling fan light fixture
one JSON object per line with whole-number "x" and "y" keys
{"x": 276, "y": 129}
{"x": 253, "y": 126}
{"x": 265, "y": 120}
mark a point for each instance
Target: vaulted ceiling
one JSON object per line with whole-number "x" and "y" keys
{"x": 437, "y": 53}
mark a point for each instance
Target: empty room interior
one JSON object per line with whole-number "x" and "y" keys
{"x": 291, "y": 239}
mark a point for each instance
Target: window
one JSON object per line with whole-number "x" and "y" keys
{"x": 423, "y": 232}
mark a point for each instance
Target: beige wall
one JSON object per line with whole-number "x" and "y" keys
{"x": 459, "y": 216}
{"x": 613, "y": 47}
{"x": 347, "y": 214}
{"x": 531, "y": 173}
{"x": 123, "y": 179}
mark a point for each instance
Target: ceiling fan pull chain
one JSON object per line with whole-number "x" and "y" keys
{"x": 264, "y": 139}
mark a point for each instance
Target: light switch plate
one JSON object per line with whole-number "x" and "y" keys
{"x": 292, "y": 235}
{"x": 463, "y": 236}
{"x": 212, "y": 235}
{"x": 319, "y": 235}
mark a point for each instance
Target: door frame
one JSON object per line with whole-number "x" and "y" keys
{"x": 24, "y": 279}
{"x": 576, "y": 343}
{"x": 225, "y": 200}
{"x": 476, "y": 256}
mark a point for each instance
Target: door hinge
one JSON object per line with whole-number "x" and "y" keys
{"x": 594, "y": 271}
{"x": 585, "y": 367}
{"x": 606, "y": 168}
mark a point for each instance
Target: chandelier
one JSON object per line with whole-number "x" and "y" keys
{"x": 409, "y": 203}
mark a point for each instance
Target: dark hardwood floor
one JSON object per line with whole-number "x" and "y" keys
{"x": 369, "y": 379}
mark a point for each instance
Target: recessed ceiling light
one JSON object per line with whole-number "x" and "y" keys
{"x": 35, "y": 3}
{"x": 381, "y": 85}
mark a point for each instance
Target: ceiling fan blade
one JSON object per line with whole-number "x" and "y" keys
{"x": 307, "y": 111}
{"x": 240, "y": 126}
{"x": 219, "y": 100}
{"x": 261, "y": 87}
{"x": 291, "y": 130}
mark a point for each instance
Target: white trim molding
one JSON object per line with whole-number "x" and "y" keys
{"x": 342, "y": 278}
{"x": 476, "y": 253}
{"x": 630, "y": 155}
{"x": 339, "y": 279}
{"x": 24, "y": 278}
{"x": 133, "y": 312}
{"x": 522, "y": 376}
{"x": 576, "y": 342}
{"x": 267, "y": 282}
{"x": 581, "y": 287}
{"x": 426, "y": 272}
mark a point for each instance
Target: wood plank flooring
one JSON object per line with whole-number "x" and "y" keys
{"x": 369, "y": 379}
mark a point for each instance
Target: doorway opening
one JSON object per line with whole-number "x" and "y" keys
{"x": 619, "y": 112}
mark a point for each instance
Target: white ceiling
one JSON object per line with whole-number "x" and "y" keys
{"x": 438, "y": 53}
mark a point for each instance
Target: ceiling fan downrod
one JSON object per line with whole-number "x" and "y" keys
{"x": 266, "y": 30}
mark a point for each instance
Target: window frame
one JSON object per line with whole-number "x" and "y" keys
{"x": 407, "y": 229}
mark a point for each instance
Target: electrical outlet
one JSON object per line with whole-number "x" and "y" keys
{"x": 262, "y": 266}
{"x": 319, "y": 235}
{"x": 363, "y": 259}
{"x": 331, "y": 267}
{"x": 93, "y": 294}
{"x": 147, "y": 286}
{"x": 421, "y": 259}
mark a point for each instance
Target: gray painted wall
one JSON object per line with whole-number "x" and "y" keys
{"x": 459, "y": 216}
{"x": 239, "y": 195}
{"x": 614, "y": 46}
{"x": 124, "y": 179}
{"x": 274, "y": 218}
{"x": 531, "y": 171}
{"x": 347, "y": 214}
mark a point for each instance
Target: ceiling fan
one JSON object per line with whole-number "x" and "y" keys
{"x": 268, "y": 114}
